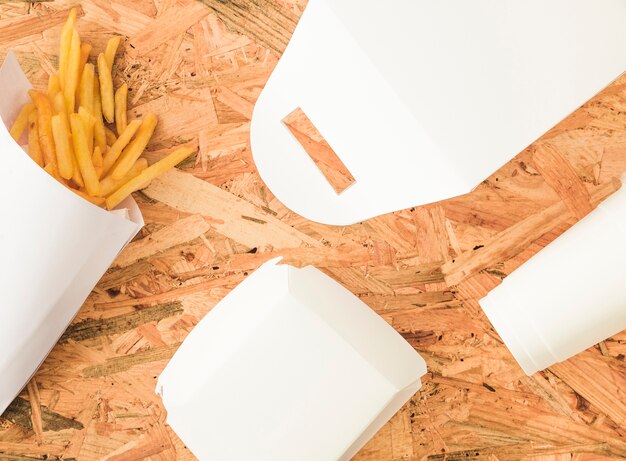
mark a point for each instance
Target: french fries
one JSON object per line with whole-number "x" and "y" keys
{"x": 61, "y": 133}
{"x": 111, "y": 50}
{"x": 148, "y": 175}
{"x": 70, "y": 84}
{"x": 66, "y": 45}
{"x": 107, "y": 99}
{"x": 108, "y": 184}
{"x": 120, "y": 143}
{"x": 78, "y": 130}
{"x": 85, "y": 94}
{"x": 83, "y": 156}
{"x": 34, "y": 148}
{"x": 44, "y": 113}
{"x": 135, "y": 148}
{"x": 21, "y": 122}
{"x": 121, "y": 95}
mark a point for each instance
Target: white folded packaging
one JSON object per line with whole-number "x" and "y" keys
{"x": 289, "y": 365}
{"x": 425, "y": 99}
{"x": 570, "y": 295}
{"x": 55, "y": 246}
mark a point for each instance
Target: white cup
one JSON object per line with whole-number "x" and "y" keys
{"x": 569, "y": 296}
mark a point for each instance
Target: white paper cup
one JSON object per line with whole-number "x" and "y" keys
{"x": 569, "y": 296}
{"x": 55, "y": 246}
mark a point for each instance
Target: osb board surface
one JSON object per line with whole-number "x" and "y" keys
{"x": 201, "y": 67}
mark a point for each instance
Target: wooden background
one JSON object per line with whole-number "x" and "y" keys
{"x": 201, "y": 66}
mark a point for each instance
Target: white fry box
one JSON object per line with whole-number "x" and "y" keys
{"x": 55, "y": 246}
{"x": 422, "y": 100}
{"x": 289, "y": 365}
{"x": 569, "y": 296}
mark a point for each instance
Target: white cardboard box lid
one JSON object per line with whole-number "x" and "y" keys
{"x": 289, "y": 365}
{"x": 424, "y": 99}
{"x": 55, "y": 246}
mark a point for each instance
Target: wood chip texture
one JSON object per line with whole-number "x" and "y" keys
{"x": 201, "y": 66}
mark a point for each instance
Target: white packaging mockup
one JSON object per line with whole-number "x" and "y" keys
{"x": 569, "y": 296}
{"x": 54, "y": 246}
{"x": 289, "y": 365}
{"x": 422, "y": 100}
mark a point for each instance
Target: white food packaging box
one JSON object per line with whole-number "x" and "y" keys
{"x": 55, "y": 246}
{"x": 289, "y": 365}
{"x": 422, "y": 100}
{"x": 569, "y": 296}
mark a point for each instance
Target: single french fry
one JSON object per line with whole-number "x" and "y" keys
{"x": 99, "y": 132}
{"x": 135, "y": 148}
{"x": 116, "y": 149}
{"x": 71, "y": 77}
{"x": 109, "y": 185}
{"x": 88, "y": 123}
{"x": 21, "y": 122}
{"x": 148, "y": 175}
{"x": 34, "y": 149}
{"x": 110, "y": 136}
{"x": 44, "y": 126}
{"x": 62, "y": 144}
{"x": 85, "y": 98}
{"x": 59, "y": 103}
{"x": 96, "y": 159}
{"x": 54, "y": 86}
{"x": 107, "y": 98}
{"x": 85, "y": 49}
{"x": 52, "y": 171}
{"x": 121, "y": 120}
{"x": 111, "y": 50}
{"x": 83, "y": 156}
{"x": 95, "y": 200}
{"x": 66, "y": 43}
{"x": 77, "y": 177}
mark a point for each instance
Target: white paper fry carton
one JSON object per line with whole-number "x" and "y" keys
{"x": 55, "y": 246}
{"x": 569, "y": 296}
{"x": 425, "y": 99}
{"x": 289, "y": 365}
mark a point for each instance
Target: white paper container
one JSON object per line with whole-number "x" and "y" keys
{"x": 422, "y": 100}
{"x": 569, "y": 296}
{"x": 290, "y": 365}
{"x": 55, "y": 246}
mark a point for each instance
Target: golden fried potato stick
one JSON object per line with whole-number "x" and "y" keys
{"x": 34, "y": 149}
{"x": 65, "y": 46}
{"x": 99, "y": 132}
{"x": 21, "y": 122}
{"x": 77, "y": 177}
{"x": 110, "y": 136}
{"x": 71, "y": 78}
{"x": 85, "y": 94}
{"x": 95, "y": 200}
{"x": 54, "y": 86}
{"x": 121, "y": 120}
{"x": 106, "y": 89}
{"x": 88, "y": 123}
{"x": 83, "y": 156}
{"x": 44, "y": 126}
{"x": 135, "y": 148}
{"x": 116, "y": 149}
{"x": 61, "y": 134}
{"x": 96, "y": 159}
{"x": 111, "y": 50}
{"x": 108, "y": 184}
{"x": 52, "y": 171}
{"x": 148, "y": 175}
{"x": 85, "y": 49}
{"x": 59, "y": 103}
